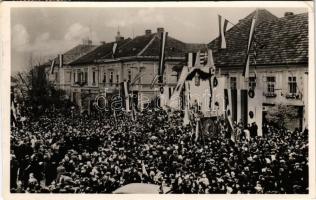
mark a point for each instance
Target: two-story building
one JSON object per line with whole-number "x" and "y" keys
{"x": 62, "y": 74}
{"x": 134, "y": 60}
{"x": 278, "y": 60}
{"x": 88, "y": 71}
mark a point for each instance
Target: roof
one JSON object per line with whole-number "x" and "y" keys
{"x": 73, "y": 54}
{"x": 98, "y": 52}
{"x": 195, "y": 47}
{"x": 149, "y": 46}
{"x": 280, "y": 41}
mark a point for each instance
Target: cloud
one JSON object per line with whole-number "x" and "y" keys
{"x": 141, "y": 17}
{"x": 44, "y": 37}
{"x": 20, "y": 36}
{"x": 76, "y": 32}
{"x": 44, "y": 46}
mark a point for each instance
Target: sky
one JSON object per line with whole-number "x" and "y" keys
{"x": 42, "y": 33}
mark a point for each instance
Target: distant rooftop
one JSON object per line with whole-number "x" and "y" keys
{"x": 282, "y": 40}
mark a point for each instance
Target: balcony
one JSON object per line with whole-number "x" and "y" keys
{"x": 81, "y": 83}
{"x": 270, "y": 94}
{"x": 293, "y": 96}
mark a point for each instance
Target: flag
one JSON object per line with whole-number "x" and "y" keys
{"x": 190, "y": 58}
{"x": 125, "y": 95}
{"x": 229, "y": 106}
{"x": 188, "y": 94}
{"x": 114, "y": 49}
{"x": 175, "y": 97}
{"x": 197, "y": 62}
{"x": 244, "y": 106}
{"x": 165, "y": 97}
{"x": 137, "y": 77}
{"x": 114, "y": 115}
{"x": 203, "y": 58}
{"x": 250, "y": 41}
{"x": 228, "y": 111}
{"x": 144, "y": 169}
{"x": 186, "y": 117}
{"x": 13, "y": 111}
{"x": 61, "y": 57}
{"x": 161, "y": 68}
{"x": 154, "y": 81}
{"x": 52, "y": 67}
{"x": 222, "y": 29}
{"x": 236, "y": 104}
{"x": 218, "y": 98}
{"x": 197, "y": 130}
{"x": 210, "y": 60}
{"x": 134, "y": 117}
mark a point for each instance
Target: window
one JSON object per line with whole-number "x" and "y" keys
{"x": 79, "y": 76}
{"x": 93, "y": 77}
{"x": 104, "y": 77}
{"x": 292, "y": 85}
{"x": 129, "y": 78}
{"x": 117, "y": 78}
{"x": 74, "y": 77}
{"x": 270, "y": 84}
{"x": 111, "y": 78}
{"x": 197, "y": 79}
{"x": 233, "y": 83}
{"x": 56, "y": 76}
{"x": 85, "y": 77}
{"x": 252, "y": 82}
{"x": 68, "y": 77}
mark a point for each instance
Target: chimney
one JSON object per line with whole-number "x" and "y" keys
{"x": 87, "y": 41}
{"x": 287, "y": 14}
{"x": 147, "y": 32}
{"x": 118, "y": 37}
{"x": 102, "y": 42}
{"x": 160, "y": 30}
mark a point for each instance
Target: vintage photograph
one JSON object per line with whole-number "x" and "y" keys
{"x": 159, "y": 100}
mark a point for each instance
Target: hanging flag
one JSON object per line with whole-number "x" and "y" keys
{"x": 197, "y": 62}
{"x": 60, "y": 57}
{"x": 144, "y": 171}
{"x": 154, "y": 81}
{"x": 197, "y": 129}
{"x": 188, "y": 95}
{"x": 161, "y": 68}
{"x": 222, "y": 29}
{"x": 186, "y": 117}
{"x": 203, "y": 58}
{"x": 228, "y": 111}
{"x": 164, "y": 97}
{"x": 244, "y": 106}
{"x": 134, "y": 117}
{"x": 52, "y": 67}
{"x": 13, "y": 111}
{"x": 125, "y": 95}
{"x": 191, "y": 57}
{"x": 218, "y": 98}
{"x": 114, "y": 49}
{"x": 114, "y": 115}
{"x": 230, "y": 101}
{"x": 137, "y": 77}
{"x": 250, "y": 41}
{"x": 210, "y": 60}
{"x": 175, "y": 97}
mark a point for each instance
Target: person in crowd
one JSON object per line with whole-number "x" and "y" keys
{"x": 58, "y": 153}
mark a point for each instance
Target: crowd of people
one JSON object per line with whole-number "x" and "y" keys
{"x": 58, "y": 153}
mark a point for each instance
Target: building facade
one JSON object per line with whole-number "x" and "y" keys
{"x": 278, "y": 61}
{"x": 99, "y": 72}
{"x": 278, "y": 65}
